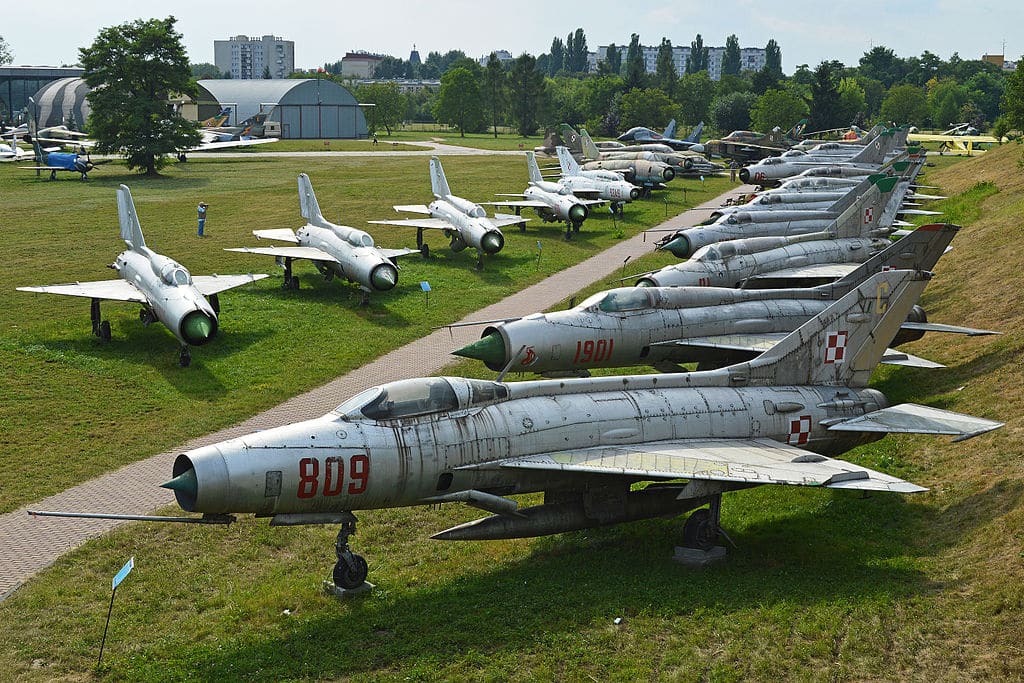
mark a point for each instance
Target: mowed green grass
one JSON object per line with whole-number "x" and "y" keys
{"x": 76, "y": 407}
{"x": 824, "y": 585}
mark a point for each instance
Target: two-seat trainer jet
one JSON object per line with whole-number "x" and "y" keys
{"x": 464, "y": 221}
{"x": 187, "y": 305}
{"x": 333, "y": 249}
{"x": 588, "y": 444}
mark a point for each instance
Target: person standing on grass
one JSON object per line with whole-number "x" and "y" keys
{"x": 201, "y": 209}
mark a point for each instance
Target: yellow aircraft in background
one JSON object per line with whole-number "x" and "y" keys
{"x": 959, "y": 139}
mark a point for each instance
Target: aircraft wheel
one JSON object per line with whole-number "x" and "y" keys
{"x": 350, "y": 572}
{"x": 700, "y": 531}
{"x": 293, "y": 282}
{"x": 105, "y": 330}
{"x": 185, "y": 357}
{"x": 425, "y": 250}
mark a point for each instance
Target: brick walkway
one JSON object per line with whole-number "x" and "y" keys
{"x": 29, "y": 544}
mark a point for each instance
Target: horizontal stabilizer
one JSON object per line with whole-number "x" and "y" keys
{"x": 395, "y": 253}
{"x": 894, "y": 357}
{"x": 500, "y": 220}
{"x": 910, "y": 418}
{"x": 952, "y": 329}
{"x": 432, "y": 223}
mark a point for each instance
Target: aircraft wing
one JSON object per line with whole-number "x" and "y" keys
{"x": 910, "y": 418}
{"x": 750, "y": 461}
{"x": 113, "y": 290}
{"x": 756, "y": 344}
{"x": 500, "y": 220}
{"x": 811, "y": 271}
{"x": 212, "y": 284}
{"x": 280, "y": 234}
{"x": 46, "y": 168}
{"x": 208, "y": 146}
{"x": 434, "y": 223}
{"x": 413, "y": 208}
{"x": 527, "y": 203}
{"x": 953, "y": 329}
{"x": 311, "y": 253}
{"x": 395, "y": 253}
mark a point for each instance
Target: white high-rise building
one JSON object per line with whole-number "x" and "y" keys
{"x": 250, "y": 58}
{"x": 751, "y": 58}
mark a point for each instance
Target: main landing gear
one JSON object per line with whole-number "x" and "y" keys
{"x": 424, "y": 248}
{"x": 290, "y": 281}
{"x": 700, "y": 537}
{"x": 617, "y": 208}
{"x": 350, "y": 571}
{"x": 100, "y": 328}
{"x": 184, "y": 357}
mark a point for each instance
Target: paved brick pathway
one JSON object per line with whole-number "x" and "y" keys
{"x": 29, "y": 544}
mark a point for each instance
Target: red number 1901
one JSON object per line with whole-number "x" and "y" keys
{"x": 591, "y": 352}
{"x": 333, "y": 475}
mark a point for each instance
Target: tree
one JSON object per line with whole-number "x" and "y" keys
{"x": 600, "y": 97}
{"x": 494, "y": 80}
{"x": 694, "y": 96}
{"x": 391, "y": 67}
{"x": 882, "y": 64}
{"x": 773, "y": 59}
{"x": 459, "y": 102}
{"x": 874, "y": 92}
{"x": 905, "y": 104}
{"x": 204, "y": 70}
{"x": 824, "y": 99}
{"x": 945, "y": 98}
{"x": 567, "y": 97}
{"x": 665, "y": 75}
{"x": 5, "y": 52}
{"x": 526, "y": 93}
{"x": 636, "y": 70}
{"x": 389, "y": 106}
{"x": 133, "y": 69}
{"x": 612, "y": 64}
{"x": 764, "y": 80}
{"x": 698, "y": 59}
{"x": 731, "y": 62}
{"x": 985, "y": 89}
{"x": 557, "y": 56}
{"x": 732, "y": 111}
{"x": 852, "y": 103}
{"x": 777, "y": 108}
{"x": 576, "y": 53}
{"x": 646, "y": 107}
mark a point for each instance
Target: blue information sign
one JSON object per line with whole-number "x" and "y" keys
{"x": 125, "y": 571}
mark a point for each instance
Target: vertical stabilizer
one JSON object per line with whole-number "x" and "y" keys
{"x": 590, "y": 150}
{"x": 131, "y": 230}
{"x": 920, "y": 250}
{"x": 862, "y": 216}
{"x": 874, "y": 152}
{"x": 533, "y": 168}
{"x": 842, "y": 345}
{"x": 568, "y": 164}
{"x": 438, "y": 183}
{"x": 308, "y": 205}
{"x": 571, "y": 138}
{"x": 697, "y": 132}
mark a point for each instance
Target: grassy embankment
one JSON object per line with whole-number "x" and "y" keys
{"x": 824, "y": 584}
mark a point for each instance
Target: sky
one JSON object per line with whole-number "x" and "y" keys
{"x": 49, "y": 33}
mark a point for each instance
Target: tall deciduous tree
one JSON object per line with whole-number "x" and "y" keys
{"x": 5, "y": 52}
{"x": 773, "y": 59}
{"x": 698, "y": 59}
{"x": 777, "y": 108}
{"x": 389, "y": 106}
{"x": 495, "y": 81}
{"x": 852, "y": 102}
{"x": 905, "y": 104}
{"x": 556, "y": 58}
{"x": 824, "y": 98}
{"x": 636, "y": 70}
{"x": 665, "y": 75}
{"x": 133, "y": 70}
{"x": 694, "y": 95}
{"x": 576, "y": 52}
{"x": 526, "y": 93}
{"x": 731, "y": 62}
{"x": 459, "y": 102}
{"x": 732, "y": 111}
{"x": 646, "y": 107}
{"x": 612, "y": 64}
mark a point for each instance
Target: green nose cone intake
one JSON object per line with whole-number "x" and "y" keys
{"x": 384, "y": 277}
{"x": 492, "y": 242}
{"x": 197, "y": 328}
{"x": 679, "y": 247}
{"x": 184, "y": 483}
{"x": 490, "y": 349}
{"x": 577, "y": 213}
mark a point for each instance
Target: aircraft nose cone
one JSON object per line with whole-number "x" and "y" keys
{"x": 184, "y": 483}
{"x": 668, "y": 175}
{"x": 577, "y": 213}
{"x": 490, "y": 349}
{"x": 678, "y": 246}
{"x": 745, "y": 174}
{"x": 384, "y": 277}
{"x": 646, "y": 282}
{"x": 492, "y": 242}
{"x": 197, "y": 328}
{"x": 697, "y": 148}
{"x": 634, "y": 194}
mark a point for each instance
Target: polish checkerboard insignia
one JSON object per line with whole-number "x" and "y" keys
{"x": 800, "y": 430}
{"x": 835, "y": 347}
{"x": 869, "y": 214}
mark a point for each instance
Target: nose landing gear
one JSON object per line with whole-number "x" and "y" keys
{"x": 351, "y": 569}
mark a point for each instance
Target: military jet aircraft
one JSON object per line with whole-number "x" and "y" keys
{"x": 551, "y": 201}
{"x": 605, "y": 185}
{"x": 667, "y": 326}
{"x": 186, "y": 304}
{"x": 588, "y": 444}
{"x": 333, "y": 249}
{"x": 773, "y": 169}
{"x": 467, "y": 223}
{"x": 644, "y": 169}
{"x": 745, "y": 145}
{"x": 682, "y": 163}
{"x": 642, "y": 134}
{"x": 11, "y": 152}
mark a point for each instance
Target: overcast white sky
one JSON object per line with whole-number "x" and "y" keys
{"x": 50, "y": 32}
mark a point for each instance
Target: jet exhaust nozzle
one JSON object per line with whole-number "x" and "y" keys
{"x": 577, "y": 213}
{"x": 634, "y": 194}
{"x": 745, "y": 175}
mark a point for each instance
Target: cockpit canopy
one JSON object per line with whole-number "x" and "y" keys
{"x": 771, "y": 161}
{"x": 738, "y": 217}
{"x": 420, "y": 396}
{"x": 718, "y": 251}
{"x": 357, "y": 238}
{"x": 618, "y": 300}
{"x": 171, "y": 272}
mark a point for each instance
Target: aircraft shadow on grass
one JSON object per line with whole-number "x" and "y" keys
{"x": 835, "y": 550}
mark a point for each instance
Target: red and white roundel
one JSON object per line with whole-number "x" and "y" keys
{"x": 800, "y": 430}
{"x": 869, "y": 213}
{"x": 835, "y": 347}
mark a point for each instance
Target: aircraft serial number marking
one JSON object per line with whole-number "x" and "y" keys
{"x": 333, "y": 475}
{"x": 590, "y": 352}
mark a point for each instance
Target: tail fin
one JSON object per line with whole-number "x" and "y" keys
{"x": 131, "y": 230}
{"x": 670, "y": 130}
{"x": 796, "y": 131}
{"x": 438, "y": 183}
{"x": 920, "y": 250}
{"x": 874, "y": 152}
{"x": 590, "y": 150}
{"x": 32, "y": 130}
{"x": 861, "y": 216}
{"x": 571, "y": 138}
{"x": 533, "y": 168}
{"x": 568, "y": 164}
{"x": 843, "y": 344}
{"x": 697, "y": 132}
{"x": 308, "y": 205}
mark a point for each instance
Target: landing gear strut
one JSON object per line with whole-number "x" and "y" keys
{"x": 424, "y": 249}
{"x": 185, "y": 357}
{"x": 101, "y": 328}
{"x": 568, "y": 230}
{"x": 703, "y": 526}
{"x": 290, "y": 281}
{"x": 479, "y": 260}
{"x": 350, "y": 571}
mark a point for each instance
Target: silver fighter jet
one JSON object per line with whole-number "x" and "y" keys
{"x": 187, "y": 305}
{"x": 333, "y": 249}
{"x": 464, "y": 221}
{"x": 606, "y": 185}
